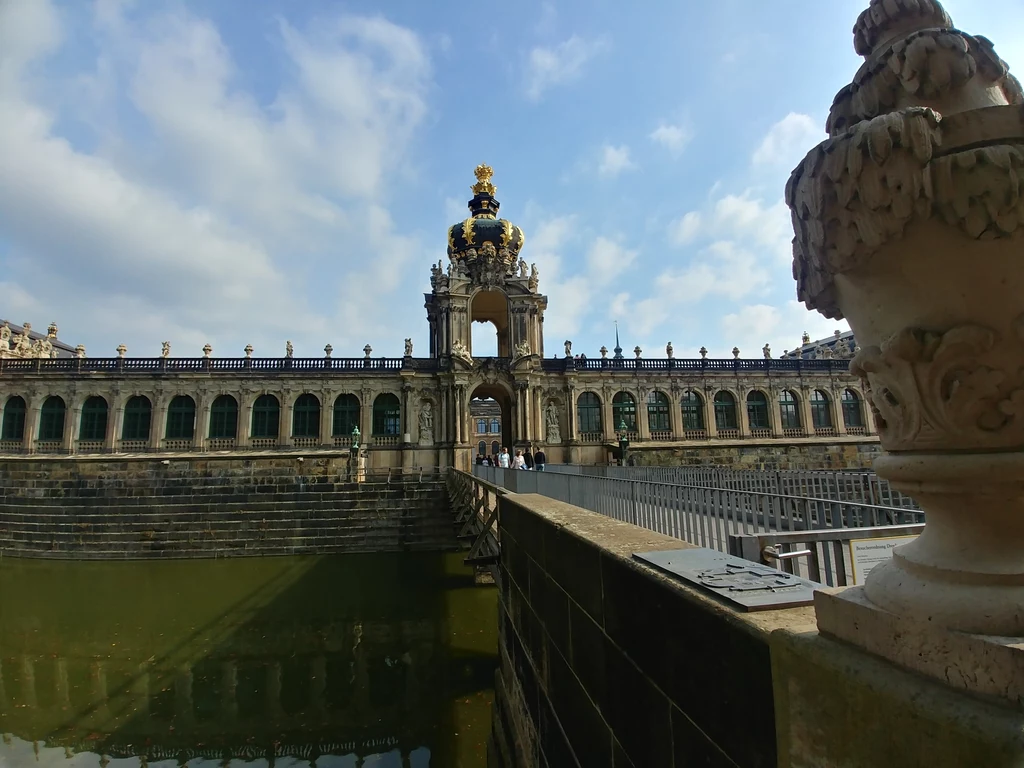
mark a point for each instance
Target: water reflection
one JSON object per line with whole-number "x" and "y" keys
{"x": 368, "y": 660}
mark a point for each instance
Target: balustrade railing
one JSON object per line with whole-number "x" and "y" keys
{"x": 90, "y": 446}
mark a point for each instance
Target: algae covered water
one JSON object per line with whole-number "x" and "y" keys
{"x": 348, "y": 660}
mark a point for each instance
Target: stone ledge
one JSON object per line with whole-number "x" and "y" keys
{"x": 988, "y": 666}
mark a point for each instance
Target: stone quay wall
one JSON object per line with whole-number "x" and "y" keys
{"x": 603, "y": 662}
{"x": 850, "y": 453}
{"x": 226, "y": 506}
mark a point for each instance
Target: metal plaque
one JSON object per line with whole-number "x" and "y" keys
{"x": 747, "y": 585}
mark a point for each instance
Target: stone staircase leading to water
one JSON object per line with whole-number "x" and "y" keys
{"x": 126, "y": 510}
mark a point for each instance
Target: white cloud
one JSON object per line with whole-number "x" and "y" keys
{"x": 559, "y": 64}
{"x": 779, "y": 326}
{"x": 215, "y": 218}
{"x": 685, "y": 229}
{"x": 788, "y": 141}
{"x": 673, "y": 137}
{"x": 614, "y": 160}
{"x": 607, "y": 259}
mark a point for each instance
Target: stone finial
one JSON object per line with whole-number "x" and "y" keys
{"x": 703, "y": 353}
{"x": 886, "y": 20}
{"x": 604, "y": 351}
{"x": 207, "y": 350}
{"x": 248, "y": 350}
{"x": 80, "y": 351}
{"x": 367, "y": 350}
{"x": 51, "y": 332}
{"x": 328, "y": 349}
{"x": 637, "y": 351}
{"x": 122, "y": 350}
{"x": 736, "y": 353}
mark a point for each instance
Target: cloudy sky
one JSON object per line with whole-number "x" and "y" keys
{"x": 254, "y": 172}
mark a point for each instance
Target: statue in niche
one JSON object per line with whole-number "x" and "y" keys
{"x": 522, "y": 268}
{"x": 426, "y": 423}
{"x": 165, "y": 349}
{"x": 568, "y": 348}
{"x": 523, "y": 348}
{"x": 289, "y": 350}
{"x": 408, "y": 347}
{"x": 767, "y": 352}
{"x": 554, "y": 431}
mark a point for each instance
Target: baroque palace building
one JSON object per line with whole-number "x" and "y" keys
{"x": 416, "y": 411}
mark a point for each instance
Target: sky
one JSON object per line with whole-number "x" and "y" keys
{"x": 232, "y": 173}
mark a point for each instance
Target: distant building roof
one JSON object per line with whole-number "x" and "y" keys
{"x": 62, "y": 349}
{"x": 840, "y": 345}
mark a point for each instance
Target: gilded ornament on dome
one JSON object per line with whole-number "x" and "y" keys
{"x": 483, "y": 184}
{"x": 451, "y": 239}
{"x": 467, "y": 231}
{"x": 506, "y": 232}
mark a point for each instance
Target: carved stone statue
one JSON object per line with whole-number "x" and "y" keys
{"x": 289, "y": 350}
{"x": 522, "y": 268}
{"x": 568, "y": 348}
{"x": 248, "y": 350}
{"x": 5, "y": 337}
{"x": 671, "y": 353}
{"x": 459, "y": 350}
{"x": 80, "y": 351}
{"x": 554, "y": 431}
{"x": 842, "y": 349}
{"x": 165, "y": 349}
{"x": 534, "y": 278}
{"x": 207, "y": 350}
{"x": 426, "y": 423}
{"x": 523, "y": 348}
{"x": 767, "y": 352}
{"x": 408, "y": 347}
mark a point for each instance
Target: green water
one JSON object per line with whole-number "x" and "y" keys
{"x": 369, "y": 660}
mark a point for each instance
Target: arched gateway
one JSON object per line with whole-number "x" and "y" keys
{"x": 486, "y": 281}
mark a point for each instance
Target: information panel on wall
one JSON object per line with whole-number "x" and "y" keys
{"x": 865, "y": 554}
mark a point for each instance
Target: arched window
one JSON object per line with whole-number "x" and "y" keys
{"x": 624, "y": 411}
{"x": 821, "y": 415}
{"x": 387, "y": 415}
{"x": 693, "y": 412}
{"x": 789, "y": 410}
{"x": 658, "y": 418}
{"x": 138, "y": 412}
{"x": 94, "y": 419}
{"x": 757, "y": 410}
{"x": 481, "y": 426}
{"x": 14, "y": 419}
{"x": 51, "y": 419}
{"x": 224, "y": 418}
{"x": 588, "y": 413}
{"x": 482, "y": 448}
{"x": 346, "y": 415}
{"x": 181, "y": 418}
{"x": 725, "y": 411}
{"x": 853, "y": 414}
{"x": 495, "y": 426}
{"x": 266, "y": 416}
{"x": 306, "y": 416}
{"x": 495, "y": 446}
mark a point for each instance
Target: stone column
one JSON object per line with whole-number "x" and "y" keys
{"x": 158, "y": 426}
{"x": 244, "y": 420}
{"x": 710, "y": 422}
{"x": 608, "y": 415}
{"x": 907, "y": 224}
{"x": 202, "y": 429}
{"x": 327, "y": 419}
{"x": 287, "y": 419}
{"x": 837, "y": 412}
{"x": 571, "y": 417}
{"x": 805, "y": 411}
{"x": 643, "y": 421}
{"x": 115, "y": 425}
{"x": 742, "y": 417}
{"x": 675, "y": 410}
{"x": 366, "y": 417}
{"x": 28, "y": 444}
{"x": 72, "y": 423}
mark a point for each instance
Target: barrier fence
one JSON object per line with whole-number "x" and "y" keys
{"x": 739, "y": 521}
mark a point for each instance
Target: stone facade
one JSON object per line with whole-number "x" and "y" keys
{"x": 412, "y": 411}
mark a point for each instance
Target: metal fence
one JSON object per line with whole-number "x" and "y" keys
{"x": 854, "y": 485}
{"x": 719, "y": 518}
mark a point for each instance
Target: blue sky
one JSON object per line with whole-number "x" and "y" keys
{"x": 254, "y": 172}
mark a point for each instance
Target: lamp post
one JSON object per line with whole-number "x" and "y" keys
{"x": 623, "y": 435}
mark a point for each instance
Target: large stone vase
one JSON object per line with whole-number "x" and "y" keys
{"x": 909, "y": 223}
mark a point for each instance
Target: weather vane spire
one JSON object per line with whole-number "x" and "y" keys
{"x": 483, "y": 184}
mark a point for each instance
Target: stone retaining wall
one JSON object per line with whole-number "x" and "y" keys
{"x": 214, "y": 507}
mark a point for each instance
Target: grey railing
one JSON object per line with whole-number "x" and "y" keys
{"x": 861, "y": 485}
{"x": 713, "y": 517}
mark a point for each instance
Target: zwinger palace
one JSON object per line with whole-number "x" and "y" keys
{"x": 416, "y": 411}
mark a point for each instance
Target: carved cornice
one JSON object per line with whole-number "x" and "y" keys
{"x": 958, "y": 390}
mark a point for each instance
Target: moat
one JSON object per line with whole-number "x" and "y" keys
{"x": 346, "y": 660}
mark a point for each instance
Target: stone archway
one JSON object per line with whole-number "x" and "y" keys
{"x": 502, "y": 396}
{"x": 491, "y": 306}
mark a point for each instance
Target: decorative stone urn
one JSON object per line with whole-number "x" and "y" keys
{"x": 909, "y": 223}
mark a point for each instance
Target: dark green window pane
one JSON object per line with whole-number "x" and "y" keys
{"x": 181, "y": 418}
{"x": 94, "y": 419}
{"x": 657, "y": 412}
{"x": 387, "y": 415}
{"x": 51, "y": 419}
{"x": 757, "y": 410}
{"x": 306, "y": 416}
{"x": 14, "y": 419}
{"x": 725, "y": 411}
{"x": 266, "y": 416}
{"x": 624, "y": 411}
{"x": 789, "y": 411}
{"x": 853, "y": 414}
{"x": 821, "y": 416}
{"x": 224, "y": 418}
{"x": 693, "y": 412}
{"x": 138, "y": 413}
{"x": 588, "y": 411}
{"x": 346, "y": 415}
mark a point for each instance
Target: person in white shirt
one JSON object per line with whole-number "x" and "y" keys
{"x": 519, "y": 462}
{"x": 503, "y": 459}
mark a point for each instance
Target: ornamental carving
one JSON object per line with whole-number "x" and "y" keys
{"x": 426, "y": 423}
{"x": 962, "y": 389}
{"x": 552, "y": 428}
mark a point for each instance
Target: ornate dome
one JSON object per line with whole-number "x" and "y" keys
{"x": 469, "y": 237}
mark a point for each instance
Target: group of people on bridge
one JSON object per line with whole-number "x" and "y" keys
{"x": 523, "y": 459}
